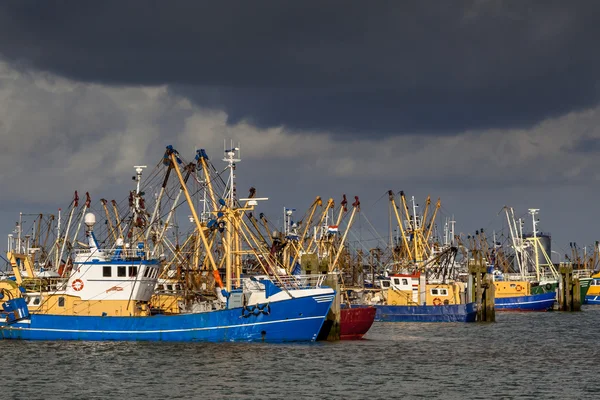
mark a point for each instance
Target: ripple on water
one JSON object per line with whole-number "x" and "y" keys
{"x": 549, "y": 355}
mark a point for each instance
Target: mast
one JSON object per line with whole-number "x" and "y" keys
{"x": 158, "y": 200}
{"x": 533, "y": 212}
{"x": 399, "y": 220}
{"x": 174, "y": 159}
{"x": 56, "y": 260}
{"x": 108, "y": 219}
{"x": 512, "y": 227}
{"x": 230, "y": 241}
{"x": 66, "y": 237}
{"x": 117, "y": 218}
{"x": 356, "y": 207}
{"x": 86, "y": 205}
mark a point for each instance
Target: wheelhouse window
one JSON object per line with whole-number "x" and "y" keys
{"x": 36, "y": 301}
{"x": 385, "y": 283}
{"x": 396, "y": 281}
{"x": 405, "y": 281}
{"x": 133, "y": 271}
{"x": 61, "y": 301}
{"x": 444, "y": 292}
{"x": 121, "y": 271}
{"x": 434, "y": 292}
{"x": 107, "y": 272}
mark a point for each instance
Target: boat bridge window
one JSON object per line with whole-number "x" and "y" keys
{"x": 444, "y": 292}
{"x": 36, "y": 301}
{"x": 121, "y": 271}
{"x": 385, "y": 284}
{"x": 61, "y": 301}
{"x": 434, "y": 292}
{"x": 107, "y": 272}
{"x": 405, "y": 281}
{"x": 133, "y": 271}
{"x": 396, "y": 281}
{"x": 146, "y": 272}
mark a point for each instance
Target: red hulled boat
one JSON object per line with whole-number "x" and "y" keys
{"x": 355, "y": 322}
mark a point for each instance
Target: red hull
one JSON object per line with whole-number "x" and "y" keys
{"x": 355, "y": 322}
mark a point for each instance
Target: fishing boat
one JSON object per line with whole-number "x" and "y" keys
{"x": 518, "y": 296}
{"x": 105, "y": 293}
{"x": 424, "y": 287}
{"x": 593, "y": 293}
{"x": 355, "y": 322}
{"x": 408, "y": 298}
{"x": 521, "y": 291}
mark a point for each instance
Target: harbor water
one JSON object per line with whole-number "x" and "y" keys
{"x": 522, "y": 355}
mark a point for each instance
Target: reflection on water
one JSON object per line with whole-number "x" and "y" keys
{"x": 547, "y": 355}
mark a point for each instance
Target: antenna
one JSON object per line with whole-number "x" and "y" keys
{"x": 138, "y": 175}
{"x": 231, "y": 159}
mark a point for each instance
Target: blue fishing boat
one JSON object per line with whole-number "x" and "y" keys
{"x": 424, "y": 313}
{"x": 408, "y": 298}
{"x": 297, "y": 319}
{"x": 536, "y": 302}
{"x": 104, "y": 293}
{"x": 106, "y": 297}
{"x": 593, "y": 293}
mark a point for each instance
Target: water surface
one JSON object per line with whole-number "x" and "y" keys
{"x": 522, "y": 355}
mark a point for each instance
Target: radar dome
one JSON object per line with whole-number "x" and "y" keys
{"x": 90, "y": 220}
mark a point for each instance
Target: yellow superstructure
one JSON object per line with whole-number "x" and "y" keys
{"x": 594, "y": 289}
{"x": 406, "y": 290}
{"x": 512, "y": 288}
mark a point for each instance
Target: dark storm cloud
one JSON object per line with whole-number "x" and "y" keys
{"x": 376, "y": 67}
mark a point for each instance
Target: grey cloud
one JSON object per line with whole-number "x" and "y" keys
{"x": 585, "y": 145}
{"x": 347, "y": 67}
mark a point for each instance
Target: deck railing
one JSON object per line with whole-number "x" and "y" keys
{"x": 118, "y": 254}
{"x": 283, "y": 282}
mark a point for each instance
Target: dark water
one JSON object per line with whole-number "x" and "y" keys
{"x": 549, "y": 355}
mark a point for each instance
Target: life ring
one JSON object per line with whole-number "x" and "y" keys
{"x": 519, "y": 288}
{"x": 77, "y": 285}
{"x": 437, "y": 301}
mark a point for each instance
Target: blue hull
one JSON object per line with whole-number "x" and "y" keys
{"x": 592, "y": 299}
{"x": 536, "y": 302}
{"x": 442, "y": 313}
{"x": 298, "y": 319}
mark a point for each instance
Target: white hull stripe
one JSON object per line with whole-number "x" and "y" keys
{"x": 324, "y": 298}
{"x": 16, "y": 327}
{"x": 524, "y": 302}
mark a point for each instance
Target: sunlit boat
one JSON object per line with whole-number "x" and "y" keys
{"x": 105, "y": 295}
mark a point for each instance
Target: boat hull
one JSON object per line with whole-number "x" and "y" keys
{"x": 298, "y": 319}
{"x": 584, "y": 287}
{"x": 441, "y": 313}
{"x": 355, "y": 322}
{"x": 536, "y": 302}
{"x": 592, "y": 299}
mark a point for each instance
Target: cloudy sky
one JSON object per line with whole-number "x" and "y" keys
{"x": 481, "y": 103}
